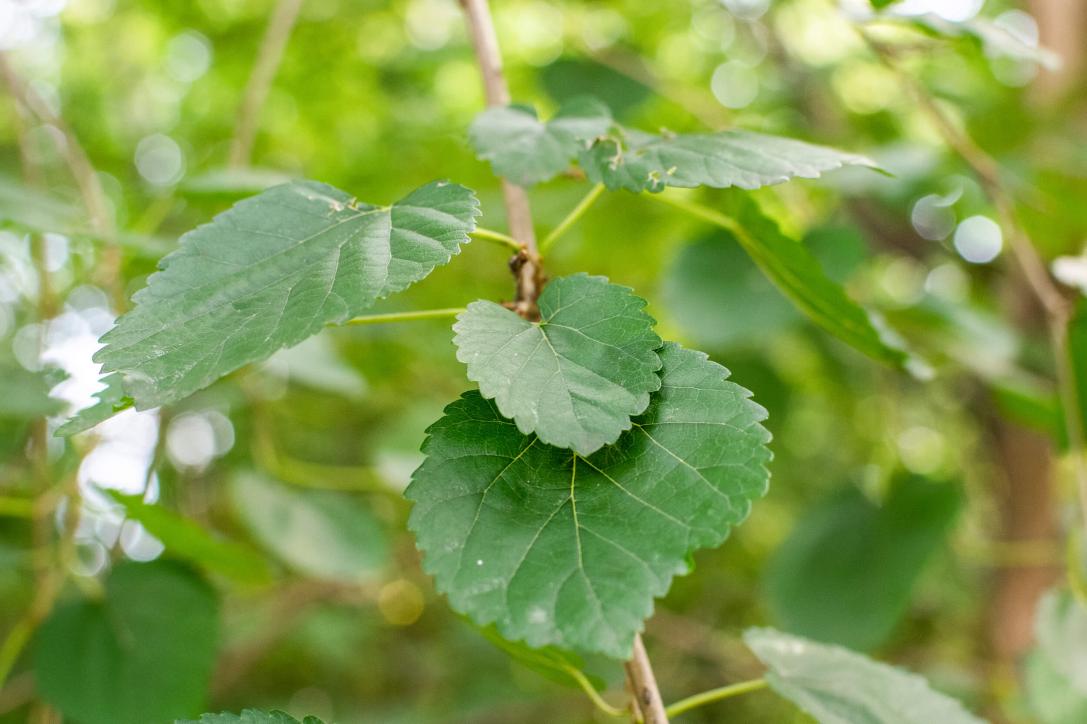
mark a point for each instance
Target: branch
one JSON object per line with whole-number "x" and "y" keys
{"x": 643, "y": 685}
{"x": 527, "y": 267}
{"x": 260, "y": 80}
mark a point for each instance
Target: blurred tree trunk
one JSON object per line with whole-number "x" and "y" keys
{"x": 1062, "y": 25}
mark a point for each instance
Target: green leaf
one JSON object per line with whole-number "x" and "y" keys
{"x": 526, "y": 150}
{"x": 233, "y": 182}
{"x": 797, "y": 273}
{"x": 111, "y": 400}
{"x": 993, "y": 38}
{"x": 549, "y": 661}
{"x": 315, "y": 532}
{"x": 272, "y": 271}
{"x": 639, "y": 161}
{"x": 36, "y": 210}
{"x": 185, "y": 539}
{"x": 251, "y": 716}
{"x": 1060, "y": 628}
{"x": 576, "y": 377}
{"x": 838, "y": 686}
{"x": 846, "y": 572}
{"x": 142, "y": 655}
{"x": 24, "y": 395}
{"x": 559, "y": 549}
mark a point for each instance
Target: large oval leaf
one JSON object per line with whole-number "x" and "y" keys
{"x": 142, "y": 655}
{"x": 556, "y": 548}
{"x": 576, "y": 377}
{"x": 272, "y": 271}
{"x": 838, "y": 686}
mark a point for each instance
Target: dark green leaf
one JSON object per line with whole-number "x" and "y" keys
{"x": 639, "y": 161}
{"x": 576, "y": 377}
{"x": 185, "y": 539}
{"x": 549, "y": 661}
{"x": 846, "y": 572}
{"x": 24, "y": 395}
{"x": 142, "y": 655}
{"x": 251, "y": 716}
{"x": 559, "y": 549}
{"x": 526, "y": 150}
{"x": 838, "y": 686}
{"x": 316, "y": 532}
{"x": 272, "y": 271}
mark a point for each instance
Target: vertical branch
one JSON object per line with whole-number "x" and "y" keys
{"x": 643, "y": 686}
{"x": 260, "y": 80}
{"x": 526, "y": 266}
{"x": 85, "y": 176}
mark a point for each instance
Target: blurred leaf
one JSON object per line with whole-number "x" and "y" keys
{"x": 233, "y": 182}
{"x": 797, "y": 273}
{"x": 142, "y": 655}
{"x": 1060, "y": 628}
{"x": 994, "y": 39}
{"x": 1051, "y": 696}
{"x": 846, "y": 573}
{"x": 1077, "y": 352}
{"x": 721, "y": 300}
{"x": 838, "y": 686}
{"x": 568, "y": 78}
{"x": 841, "y": 250}
{"x": 526, "y": 150}
{"x": 549, "y": 661}
{"x": 186, "y": 539}
{"x": 37, "y": 210}
{"x": 637, "y": 161}
{"x": 111, "y": 400}
{"x": 272, "y": 271}
{"x": 586, "y": 543}
{"x": 251, "y": 716}
{"x": 24, "y": 395}
{"x": 315, "y": 532}
{"x": 317, "y": 364}
{"x": 576, "y": 377}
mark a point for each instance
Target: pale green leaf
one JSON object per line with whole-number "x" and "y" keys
{"x": 111, "y": 400}
{"x": 559, "y": 549}
{"x": 846, "y": 572}
{"x": 838, "y": 686}
{"x": 316, "y": 532}
{"x": 1060, "y": 628}
{"x": 994, "y": 38}
{"x": 799, "y": 276}
{"x": 576, "y": 377}
{"x": 24, "y": 395}
{"x": 250, "y": 716}
{"x": 272, "y": 271}
{"x": 185, "y": 539}
{"x": 639, "y": 161}
{"x": 233, "y": 182}
{"x": 144, "y": 653}
{"x": 1052, "y": 698}
{"x": 525, "y": 150}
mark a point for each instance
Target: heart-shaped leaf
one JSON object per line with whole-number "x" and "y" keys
{"x": 556, "y": 548}
{"x": 576, "y": 377}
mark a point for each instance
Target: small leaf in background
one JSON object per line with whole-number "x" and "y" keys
{"x": 142, "y": 655}
{"x": 570, "y": 77}
{"x": 1051, "y": 697}
{"x": 720, "y": 299}
{"x": 111, "y": 400}
{"x": 996, "y": 38}
{"x": 846, "y": 572}
{"x": 186, "y": 539}
{"x": 638, "y": 161}
{"x": 233, "y": 182}
{"x": 24, "y": 395}
{"x": 586, "y": 543}
{"x": 797, "y": 273}
{"x": 525, "y": 150}
{"x": 273, "y": 270}
{"x": 1060, "y": 629}
{"x": 315, "y": 532}
{"x": 576, "y": 377}
{"x": 838, "y": 686}
{"x": 251, "y": 716}
{"x": 35, "y": 210}
{"x": 553, "y": 663}
{"x": 317, "y": 364}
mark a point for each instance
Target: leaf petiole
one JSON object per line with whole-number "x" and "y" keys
{"x": 404, "y": 316}
{"x": 497, "y": 237}
{"x": 572, "y": 218}
{"x": 708, "y": 697}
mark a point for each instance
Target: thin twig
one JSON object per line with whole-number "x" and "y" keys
{"x": 527, "y": 267}
{"x": 643, "y": 686}
{"x": 572, "y": 218}
{"x": 497, "y": 237}
{"x": 708, "y": 697}
{"x": 1057, "y": 307}
{"x": 260, "y": 80}
{"x": 86, "y": 178}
